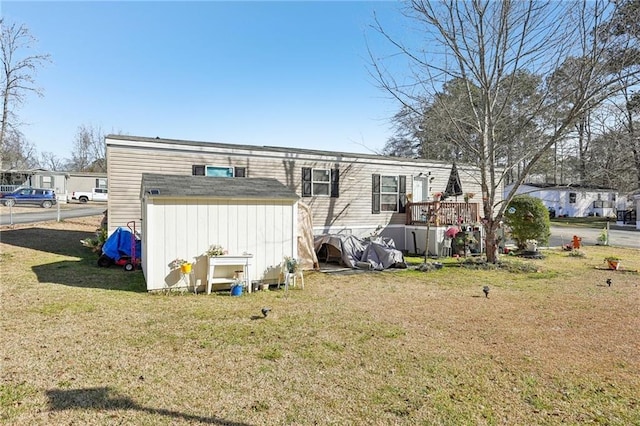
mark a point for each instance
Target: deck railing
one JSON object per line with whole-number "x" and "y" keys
{"x": 442, "y": 213}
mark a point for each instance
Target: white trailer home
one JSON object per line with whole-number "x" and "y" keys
{"x": 572, "y": 200}
{"x": 348, "y": 193}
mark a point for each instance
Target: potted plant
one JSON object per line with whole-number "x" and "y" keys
{"x": 182, "y": 264}
{"x": 216, "y": 250}
{"x": 291, "y": 264}
{"x": 613, "y": 262}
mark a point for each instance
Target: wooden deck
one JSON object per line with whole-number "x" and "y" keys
{"x": 442, "y": 213}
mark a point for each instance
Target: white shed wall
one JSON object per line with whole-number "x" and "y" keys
{"x": 185, "y": 228}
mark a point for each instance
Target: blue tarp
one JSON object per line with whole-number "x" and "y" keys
{"x": 119, "y": 244}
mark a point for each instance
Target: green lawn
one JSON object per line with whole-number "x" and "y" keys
{"x": 88, "y": 345}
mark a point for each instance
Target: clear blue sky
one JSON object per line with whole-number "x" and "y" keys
{"x": 261, "y": 73}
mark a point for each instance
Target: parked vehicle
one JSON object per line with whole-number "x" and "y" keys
{"x": 96, "y": 194}
{"x": 42, "y": 197}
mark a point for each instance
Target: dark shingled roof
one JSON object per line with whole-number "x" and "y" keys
{"x": 172, "y": 186}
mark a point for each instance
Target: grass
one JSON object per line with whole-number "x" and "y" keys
{"x": 597, "y": 222}
{"x": 88, "y": 345}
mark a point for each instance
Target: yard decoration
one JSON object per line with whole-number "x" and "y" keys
{"x": 182, "y": 264}
{"x": 576, "y": 242}
{"x": 237, "y": 287}
{"x": 176, "y": 263}
{"x": 613, "y": 262}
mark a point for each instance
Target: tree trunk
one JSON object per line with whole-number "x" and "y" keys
{"x": 5, "y": 114}
{"x": 491, "y": 240}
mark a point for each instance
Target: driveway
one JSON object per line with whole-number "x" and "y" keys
{"x": 31, "y": 214}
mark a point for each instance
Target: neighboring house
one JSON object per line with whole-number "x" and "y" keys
{"x": 358, "y": 194}
{"x": 37, "y": 178}
{"x": 572, "y": 200}
{"x": 85, "y": 181}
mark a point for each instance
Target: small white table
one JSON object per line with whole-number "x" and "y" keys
{"x": 243, "y": 260}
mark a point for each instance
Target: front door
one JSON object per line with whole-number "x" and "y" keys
{"x": 420, "y": 189}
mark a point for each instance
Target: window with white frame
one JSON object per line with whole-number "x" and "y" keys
{"x": 46, "y": 181}
{"x": 320, "y": 182}
{"x": 101, "y": 183}
{"x": 388, "y": 193}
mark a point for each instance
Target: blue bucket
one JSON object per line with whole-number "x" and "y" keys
{"x": 236, "y": 290}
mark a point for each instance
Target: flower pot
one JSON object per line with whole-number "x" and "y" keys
{"x": 613, "y": 264}
{"x": 185, "y": 268}
{"x": 236, "y": 290}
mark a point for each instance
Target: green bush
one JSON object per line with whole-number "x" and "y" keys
{"x": 528, "y": 219}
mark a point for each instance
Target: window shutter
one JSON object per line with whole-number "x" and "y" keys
{"x": 306, "y": 182}
{"x": 197, "y": 170}
{"x": 239, "y": 172}
{"x": 335, "y": 183}
{"x": 402, "y": 194}
{"x": 375, "y": 194}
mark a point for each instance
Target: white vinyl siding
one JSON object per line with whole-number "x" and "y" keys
{"x": 349, "y": 213}
{"x": 185, "y": 228}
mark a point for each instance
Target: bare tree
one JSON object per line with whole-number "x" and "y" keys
{"x": 19, "y": 66}
{"x": 89, "y": 150}
{"x": 483, "y": 43}
{"x": 50, "y": 161}
{"x": 18, "y": 152}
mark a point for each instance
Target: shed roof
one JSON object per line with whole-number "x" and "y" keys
{"x": 172, "y": 186}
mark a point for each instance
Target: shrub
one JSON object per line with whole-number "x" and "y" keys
{"x": 528, "y": 219}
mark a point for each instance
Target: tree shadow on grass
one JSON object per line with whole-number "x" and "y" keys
{"x": 83, "y": 272}
{"x": 90, "y": 275}
{"x": 104, "y": 398}
{"x": 58, "y": 241}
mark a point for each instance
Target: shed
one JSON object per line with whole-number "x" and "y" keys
{"x": 182, "y": 216}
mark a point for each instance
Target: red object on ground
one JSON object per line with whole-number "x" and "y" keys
{"x": 576, "y": 242}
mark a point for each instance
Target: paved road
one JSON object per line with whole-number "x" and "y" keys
{"x": 12, "y": 216}
{"x": 561, "y": 235}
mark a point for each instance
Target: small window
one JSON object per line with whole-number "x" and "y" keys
{"x": 214, "y": 171}
{"x": 101, "y": 183}
{"x": 218, "y": 171}
{"x": 46, "y": 181}
{"x": 572, "y": 197}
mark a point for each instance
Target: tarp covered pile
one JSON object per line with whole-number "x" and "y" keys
{"x": 375, "y": 253}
